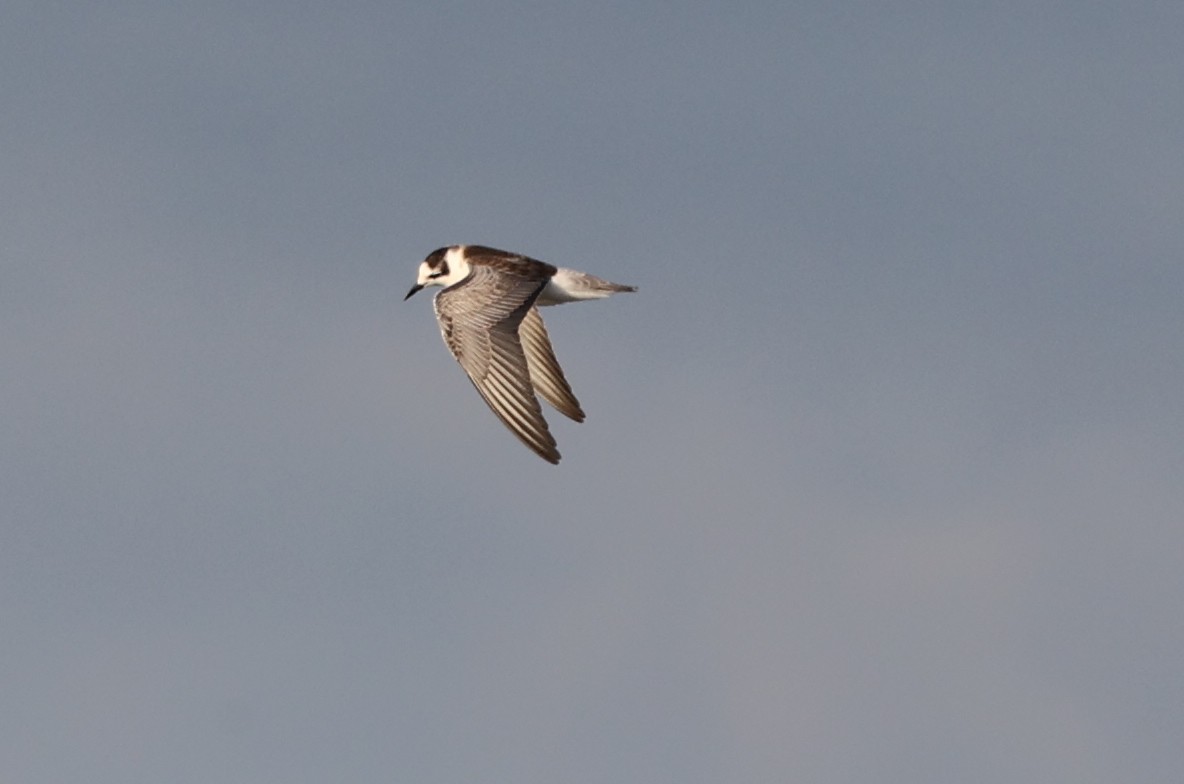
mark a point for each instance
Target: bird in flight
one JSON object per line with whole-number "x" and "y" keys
{"x": 488, "y": 314}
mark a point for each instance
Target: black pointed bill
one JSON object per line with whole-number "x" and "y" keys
{"x": 414, "y": 289}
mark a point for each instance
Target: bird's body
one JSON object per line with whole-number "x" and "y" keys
{"x": 490, "y": 322}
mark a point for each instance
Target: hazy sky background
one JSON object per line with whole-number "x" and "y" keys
{"x": 883, "y": 473}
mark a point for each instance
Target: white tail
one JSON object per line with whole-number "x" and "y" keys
{"x": 568, "y": 285}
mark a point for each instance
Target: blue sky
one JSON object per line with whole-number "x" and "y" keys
{"x": 881, "y": 474}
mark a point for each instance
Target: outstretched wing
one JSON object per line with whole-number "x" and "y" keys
{"x": 545, "y": 373}
{"x": 479, "y": 319}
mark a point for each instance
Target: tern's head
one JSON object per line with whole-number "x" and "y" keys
{"x": 442, "y": 267}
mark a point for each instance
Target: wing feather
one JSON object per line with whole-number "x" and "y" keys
{"x": 479, "y": 319}
{"x": 545, "y": 373}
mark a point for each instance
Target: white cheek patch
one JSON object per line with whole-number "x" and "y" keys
{"x": 458, "y": 267}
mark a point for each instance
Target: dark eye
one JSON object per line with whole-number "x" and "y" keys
{"x": 440, "y": 272}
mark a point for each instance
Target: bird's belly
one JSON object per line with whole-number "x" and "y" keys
{"x": 571, "y": 286}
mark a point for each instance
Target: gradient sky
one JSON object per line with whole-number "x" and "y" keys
{"x": 882, "y": 474}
